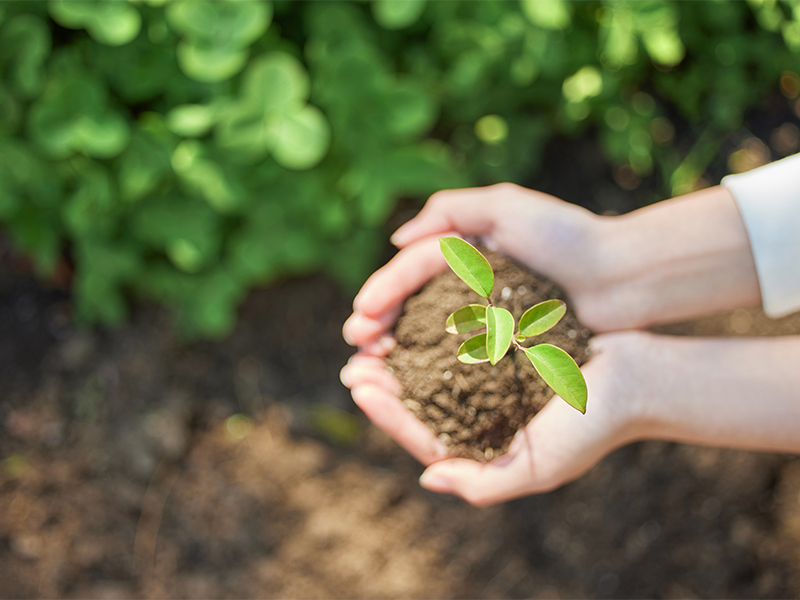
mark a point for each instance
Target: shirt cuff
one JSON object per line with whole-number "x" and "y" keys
{"x": 769, "y": 202}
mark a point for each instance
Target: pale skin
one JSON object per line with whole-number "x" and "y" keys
{"x": 672, "y": 261}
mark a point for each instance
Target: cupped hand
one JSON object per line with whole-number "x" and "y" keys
{"x": 557, "y": 446}
{"x": 550, "y": 236}
{"x": 669, "y": 262}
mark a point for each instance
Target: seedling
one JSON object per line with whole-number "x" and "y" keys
{"x": 555, "y": 366}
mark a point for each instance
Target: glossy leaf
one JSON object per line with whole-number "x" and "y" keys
{"x": 469, "y": 264}
{"x": 499, "y": 331}
{"x": 541, "y": 317}
{"x": 466, "y": 320}
{"x": 110, "y": 23}
{"x": 190, "y": 120}
{"x": 221, "y": 23}
{"x": 275, "y": 81}
{"x": 548, "y": 14}
{"x": 25, "y": 41}
{"x": 299, "y": 139}
{"x": 210, "y": 64}
{"x": 397, "y": 14}
{"x": 473, "y": 351}
{"x": 560, "y": 372}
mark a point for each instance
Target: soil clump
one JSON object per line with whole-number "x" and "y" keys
{"x": 477, "y": 409}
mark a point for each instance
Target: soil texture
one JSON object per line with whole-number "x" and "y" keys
{"x": 477, "y": 409}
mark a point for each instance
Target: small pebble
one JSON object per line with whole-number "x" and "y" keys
{"x": 444, "y": 438}
{"x": 472, "y": 412}
{"x": 522, "y": 290}
{"x": 412, "y": 405}
{"x": 506, "y": 293}
{"x": 447, "y": 374}
{"x": 488, "y": 453}
{"x": 572, "y": 334}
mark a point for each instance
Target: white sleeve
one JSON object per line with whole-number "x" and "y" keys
{"x": 769, "y": 201}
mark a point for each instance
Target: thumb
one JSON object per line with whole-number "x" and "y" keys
{"x": 483, "y": 484}
{"x": 467, "y": 211}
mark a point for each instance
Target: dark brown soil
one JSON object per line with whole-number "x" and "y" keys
{"x": 476, "y": 409}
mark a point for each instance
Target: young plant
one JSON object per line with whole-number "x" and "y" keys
{"x": 554, "y": 365}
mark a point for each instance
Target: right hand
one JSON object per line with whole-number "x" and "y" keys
{"x": 557, "y": 446}
{"x": 668, "y": 262}
{"x": 557, "y": 239}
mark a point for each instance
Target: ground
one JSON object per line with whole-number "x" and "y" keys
{"x": 124, "y": 475}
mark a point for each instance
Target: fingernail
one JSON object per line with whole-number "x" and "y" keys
{"x": 435, "y": 483}
{"x": 386, "y": 343}
{"x": 346, "y": 334}
{"x": 400, "y": 236}
{"x": 343, "y": 377}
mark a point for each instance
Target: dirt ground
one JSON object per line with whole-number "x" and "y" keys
{"x": 135, "y": 466}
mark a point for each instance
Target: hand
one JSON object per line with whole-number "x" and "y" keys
{"x": 672, "y": 261}
{"x": 557, "y": 446}
{"x": 552, "y": 237}
{"x": 724, "y": 392}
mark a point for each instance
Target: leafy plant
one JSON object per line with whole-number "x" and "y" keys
{"x": 553, "y": 364}
{"x": 186, "y": 152}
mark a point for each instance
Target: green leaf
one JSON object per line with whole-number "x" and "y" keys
{"x": 541, "y": 317}
{"x": 110, "y": 23}
{"x": 560, "y": 372}
{"x": 473, "y": 351}
{"x": 274, "y": 81}
{"x": 25, "y": 40}
{"x": 499, "y": 331}
{"x": 397, "y": 14}
{"x": 226, "y": 24}
{"x": 101, "y": 136}
{"x": 466, "y": 320}
{"x": 469, "y": 264}
{"x": 548, "y": 14}
{"x": 299, "y": 139}
{"x": 190, "y": 120}
{"x": 210, "y": 64}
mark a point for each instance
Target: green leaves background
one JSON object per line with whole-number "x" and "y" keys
{"x": 272, "y": 139}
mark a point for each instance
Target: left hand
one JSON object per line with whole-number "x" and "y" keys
{"x": 557, "y": 446}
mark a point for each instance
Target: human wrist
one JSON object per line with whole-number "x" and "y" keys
{"x": 678, "y": 259}
{"x": 727, "y": 392}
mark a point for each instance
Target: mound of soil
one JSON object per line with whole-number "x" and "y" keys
{"x": 476, "y": 409}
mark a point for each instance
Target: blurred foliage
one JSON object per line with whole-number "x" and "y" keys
{"x": 186, "y": 151}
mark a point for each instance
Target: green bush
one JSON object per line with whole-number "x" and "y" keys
{"x": 187, "y": 151}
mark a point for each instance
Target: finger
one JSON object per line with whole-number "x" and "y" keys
{"x": 370, "y": 370}
{"x": 467, "y": 211}
{"x": 482, "y": 484}
{"x": 390, "y": 416}
{"x": 381, "y": 346}
{"x": 557, "y": 446}
{"x": 388, "y": 288}
{"x": 360, "y": 329}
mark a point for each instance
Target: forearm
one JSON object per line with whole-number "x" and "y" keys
{"x": 736, "y": 393}
{"x": 677, "y": 259}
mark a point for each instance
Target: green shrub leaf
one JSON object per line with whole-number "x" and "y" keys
{"x": 300, "y": 138}
{"x": 210, "y": 64}
{"x": 397, "y": 14}
{"x": 473, "y": 351}
{"x": 499, "y": 331}
{"x": 560, "y": 372}
{"x": 469, "y": 264}
{"x": 466, "y": 320}
{"x": 541, "y": 317}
